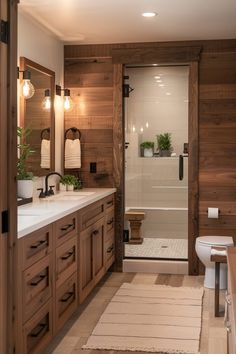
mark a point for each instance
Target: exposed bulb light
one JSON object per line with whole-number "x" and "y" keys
{"x": 27, "y": 88}
{"x": 149, "y": 14}
{"x": 67, "y": 101}
{"x": 47, "y": 101}
{"x": 133, "y": 129}
{"x": 141, "y": 129}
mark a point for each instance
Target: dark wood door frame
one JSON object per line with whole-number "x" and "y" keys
{"x": 162, "y": 55}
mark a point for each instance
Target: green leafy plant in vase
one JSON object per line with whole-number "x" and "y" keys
{"x": 24, "y": 177}
{"x": 147, "y": 147}
{"x": 69, "y": 183}
{"x": 164, "y": 144}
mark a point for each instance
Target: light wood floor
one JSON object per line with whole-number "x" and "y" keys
{"x": 79, "y": 328}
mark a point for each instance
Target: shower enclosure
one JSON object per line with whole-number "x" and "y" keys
{"x": 158, "y": 186}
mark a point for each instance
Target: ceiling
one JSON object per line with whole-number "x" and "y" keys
{"x": 120, "y": 21}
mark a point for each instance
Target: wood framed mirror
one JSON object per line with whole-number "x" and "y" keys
{"x": 39, "y": 120}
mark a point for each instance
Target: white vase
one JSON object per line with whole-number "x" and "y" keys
{"x": 70, "y": 187}
{"x": 62, "y": 187}
{"x": 148, "y": 153}
{"x": 25, "y": 188}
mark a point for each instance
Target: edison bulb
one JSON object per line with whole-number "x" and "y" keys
{"x": 47, "y": 103}
{"x": 27, "y": 89}
{"x": 67, "y": 103}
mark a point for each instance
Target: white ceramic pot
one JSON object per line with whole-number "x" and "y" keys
{"x": 70, "y": 187}
{"x": 62, "y": 187}
{"x": 25, "y": 188}
{"x": 148, "y": 153}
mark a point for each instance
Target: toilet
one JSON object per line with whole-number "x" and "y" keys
{"x": 203, "y": 249}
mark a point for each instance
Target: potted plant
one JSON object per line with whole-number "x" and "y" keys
{"x": 24, "y": 177}
{"x": 164, "y": 144}
{"x": 147, "y": 147}
{"x": 69, "y": 183}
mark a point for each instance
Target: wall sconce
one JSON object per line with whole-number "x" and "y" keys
{"x": 47, "y": 100}
{"x": 68, "y": 103}
{"x": 26, "y": 88}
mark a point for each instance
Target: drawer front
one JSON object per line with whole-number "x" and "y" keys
{"x": 66, "y": 261}
{"x": 36, "y": 246}
{"x": 37, "y": 332}
{"x": 66, "y": 301}
{"x": 37, "y": 286}
{"x": 65, "y": 228}
{"x": 109, "y": 202}
{"x": 98, "y": 239}
{"x": 109, "y": 251}
{"x": 110, "y": 221}
{"x": 89, "y": 215}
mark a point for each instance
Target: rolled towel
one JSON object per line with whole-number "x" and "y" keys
{"x": 72, "y": 154}
{"x": 45, "y": 154}
{"x": 215, "y": 252}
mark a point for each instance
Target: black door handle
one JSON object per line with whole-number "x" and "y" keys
{"x": 181, "y": 167}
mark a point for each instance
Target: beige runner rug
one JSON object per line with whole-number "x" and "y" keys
{"x": 150, "y": 318}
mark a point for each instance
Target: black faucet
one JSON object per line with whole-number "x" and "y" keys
{"x": 47, "y": 192}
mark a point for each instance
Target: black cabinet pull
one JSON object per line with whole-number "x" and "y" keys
{"x": 38, "y": 244}
{"x": 67, "y": 297}
{"x": 110, "y": 222}
{"x": 38, "y": 279}
{"x": 110, "y": 202}
{"x": 38, "y": 330}
{"x": 181, "y": 167}
{"x": 68, "y": 255}
{"x": 110, "y": 249}
{"x": 95, "y": 232}
{"x": 66, "y": 227}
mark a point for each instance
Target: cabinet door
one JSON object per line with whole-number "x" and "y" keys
{"x": 98, "y": 250}
{"x": 85, "y": 280}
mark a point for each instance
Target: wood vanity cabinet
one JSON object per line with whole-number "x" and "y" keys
{"x": 59, "y": 265}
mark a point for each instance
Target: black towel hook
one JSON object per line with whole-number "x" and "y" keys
{"x": 74, "y": 131}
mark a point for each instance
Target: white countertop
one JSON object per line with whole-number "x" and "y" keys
{"x": 42, "y": 212}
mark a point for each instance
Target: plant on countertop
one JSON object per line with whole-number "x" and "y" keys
{"x": 24, "y": 152}
{"x": 147, "y": 145}
{"x": 71, "y": 180}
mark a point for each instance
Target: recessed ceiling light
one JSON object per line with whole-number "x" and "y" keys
{"x": 168, "y": 93}
{"x": 160, "y": 81}
{"x": 149, "y": 14}
{"x": 157, "y": 77}
{"x": 161, "y": 85}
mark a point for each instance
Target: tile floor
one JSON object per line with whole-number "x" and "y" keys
{"x": 80, "y": 326}
{"x": 158, "y": 248}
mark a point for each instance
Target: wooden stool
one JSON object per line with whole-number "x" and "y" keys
{"x": 217, "y": 259}
{"x": 135, "y": 219}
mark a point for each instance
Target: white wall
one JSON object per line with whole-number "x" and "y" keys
{"x": 36, "y": 44}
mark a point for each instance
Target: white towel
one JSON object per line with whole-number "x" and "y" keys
{"x": 215, "y": 252}
{"x": 45, "y": 153}
{"x": 72, "y": 153}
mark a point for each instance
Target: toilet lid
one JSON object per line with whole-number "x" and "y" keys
{"x": 216, "y": 240}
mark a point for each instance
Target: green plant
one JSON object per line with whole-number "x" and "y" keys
{"x": 147, "y": 145}
{"x": 24, "y": 152}
{"x": 71, "y": 180}
{"x": 164, "y": 141}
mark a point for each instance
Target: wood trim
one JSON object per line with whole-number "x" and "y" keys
{"x": 156, "y": 55}
{"x": 29, "y": 63}
{"x": 118, "y": 162}
{"x": 193, "y": 194}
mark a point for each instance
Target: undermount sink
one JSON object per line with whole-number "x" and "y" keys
{"x": 71, "y": 196}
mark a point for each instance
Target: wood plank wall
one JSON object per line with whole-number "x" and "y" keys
{"x": 91, "y": 85}
{"x": 217, "y": 121}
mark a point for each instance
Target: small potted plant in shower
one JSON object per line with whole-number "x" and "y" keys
{"x": 24, "y": 177}
{"x": 164, "y": 144}
{"x": 148, "y": 147}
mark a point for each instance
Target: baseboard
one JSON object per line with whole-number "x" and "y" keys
{"x": 155, "y": 266}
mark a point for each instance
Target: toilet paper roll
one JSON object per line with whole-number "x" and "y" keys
{"x": 213, "y": 213}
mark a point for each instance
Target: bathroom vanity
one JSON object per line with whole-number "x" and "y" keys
{"x": 66, "y": 245}
{"x": 230, "y": 301}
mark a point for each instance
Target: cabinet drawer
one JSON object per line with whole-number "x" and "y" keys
{"x": 109, "y": 202}
{"x": 37, "y": 286}
{"x": 110, "y": 221}
{"x": 66, "y": 260}
{"x": 36, "y": 246}
{"x": 109, "y": 251}
{"x": 65, "y": 228}
{"x": 66, "y": 301}
{"x": 37, "y": 332}
{"x": 89, "y": 215}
